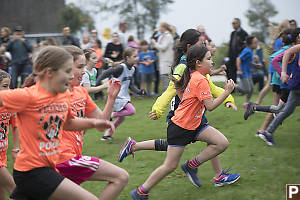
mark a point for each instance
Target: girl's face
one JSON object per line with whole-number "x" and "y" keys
{"x": 78, "y": 70}
{"x": 205, "y": 66}
{"x": 60, "y": 80}
{"x": 131, "y": 60}
{"x": 5, "y": 83}
{"x": 212, "y": 48}
{"x": 92, "y": 62}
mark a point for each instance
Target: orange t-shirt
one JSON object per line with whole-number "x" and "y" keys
{"x": 190, "y": 110}
{"x": 5, "y": 119}
{"x": 72, "y": 141}
{"x": 40, "y": 119}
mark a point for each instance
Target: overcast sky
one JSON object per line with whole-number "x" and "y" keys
{"x": 215, "y": 15}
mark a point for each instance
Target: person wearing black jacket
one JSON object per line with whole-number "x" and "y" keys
{"x": 68, "y": 38}
{"x": 236, "y": 45}
{"x": 20, "y": 50}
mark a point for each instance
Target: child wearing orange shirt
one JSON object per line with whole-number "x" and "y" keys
{"x": 43, "y": 110}
{"x": 185, "y": 127}
{"x": 73, "y": 164}
{"x": 7, "y": 183}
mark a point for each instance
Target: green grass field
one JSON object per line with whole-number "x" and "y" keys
{"x": 265, "y": 170}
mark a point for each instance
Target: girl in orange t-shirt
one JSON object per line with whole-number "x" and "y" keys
{"x": 73, "y": 165}
{"x": 43, "y": 110}
{"x": 7, "y": 183}
{"x": 185, "y": 127}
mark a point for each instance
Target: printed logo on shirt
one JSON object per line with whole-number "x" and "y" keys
{"x": 79, "y": 113}
{"x": 78, "y": 105}
{"x": 3, "y": 131}
{"x": 54, "y": 108}
{"x": 52, "y": 127}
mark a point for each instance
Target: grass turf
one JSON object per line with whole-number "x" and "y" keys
{"x": 264, "y": 170}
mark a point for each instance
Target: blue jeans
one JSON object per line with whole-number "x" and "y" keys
{"x": 16, "y": 71}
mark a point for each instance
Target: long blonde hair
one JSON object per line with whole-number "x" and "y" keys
{"x": 276, "y": 31}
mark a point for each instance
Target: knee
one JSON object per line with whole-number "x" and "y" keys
{"x": 222, "y": 145}
{"x": 170, "y": 167}
{"x": 123, "y": 177}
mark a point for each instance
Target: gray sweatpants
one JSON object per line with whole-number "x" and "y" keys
{"x": 164, "y": 78}
{"x": 292, "y": 102}
{"x": 246, "y": 86}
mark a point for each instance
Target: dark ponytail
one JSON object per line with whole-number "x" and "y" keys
{"x": 196, "y": 52}
{"x": 190, "y": 36}
{"x": 289, "y": 36}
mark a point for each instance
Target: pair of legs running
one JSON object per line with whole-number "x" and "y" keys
{"x": 7, "y": 184}
{"x": 217, "y": 144}
{"x": 116, "y": 177}
{"x": 120, "y": 117}
{"x": 292, "y": 102}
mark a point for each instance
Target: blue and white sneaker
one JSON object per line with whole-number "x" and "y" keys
{"x": 137, "y": 196}
{"x": 192, "y": 174}
{"x": 267, "y": 138}
{"x": 126, "y": 149}
{"x": 226, "y": 178}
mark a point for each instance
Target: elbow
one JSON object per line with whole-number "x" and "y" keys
{"x": 209, "y": 108}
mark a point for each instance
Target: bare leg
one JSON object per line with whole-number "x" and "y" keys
{"x": 67, "y": 190}
{"x": 2, "y": 194}
{"x": 217, "y": 144}
{"x": 216, "y": 165}
{"x": 171, "y": 162}
{"x": 117, "y": 179}
{"x": 144, "y": 145}
{"x": 7, "y": 183}
{"x": 264, "y": 91}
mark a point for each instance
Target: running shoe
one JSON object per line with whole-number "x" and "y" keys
{"x": 137, "y": 196}
{"x": 105, "y": 138}
{"x": 126, "y": 149}
{"x": 249, "y": 110}
{"x": 267, "y": 138}
{"x": 226, "y": 178}
{"x": 192, "y": 174}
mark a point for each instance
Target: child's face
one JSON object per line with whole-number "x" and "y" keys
{"x": 144, "y": 47}
{"x": 93, "y": 60}
{"x": 5, "y": 83}
{"x": 205, "y": 66}
{"x": 254, "y": 43}
{"x": 60, "y": 80}
{"x": 133, "y": 58}
{"x": 78, "y": 70}
{"x": 212, "y": 48}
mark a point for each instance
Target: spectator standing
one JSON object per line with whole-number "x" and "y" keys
{"x": 21, "y": 50}
{"x": 114, "y": 49}
{"x": 201, "y": 29}
{"x": 85, "y": 42}
{"x": 123, "y": 26}
{"x": 5, "y": 32}
{"x": 236, "y": 45}
{"x": 68, "y": 38}
{"x": 146, "y": 67}
{"x": 164, "y": 45}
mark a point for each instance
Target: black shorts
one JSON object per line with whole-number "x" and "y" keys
{"x": 36, "y": 184}
{"x": 276, "y": 89}
{"x": 284, "y": 94}
{"x": 180, "y": 137}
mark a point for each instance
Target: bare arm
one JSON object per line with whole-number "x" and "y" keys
{"x": 112, "y": 92}
{"x": 211, "y": 103}
{"x": 78, "y": 124}
{"x": 95, "y": 89}
{"x": 16, "y": 142}
{"x": 238, "y": 66}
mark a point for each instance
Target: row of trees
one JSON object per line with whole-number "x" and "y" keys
{"x": 143, "y": 15}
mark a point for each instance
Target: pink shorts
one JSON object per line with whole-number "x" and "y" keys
{"x": 79, "y": 168}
